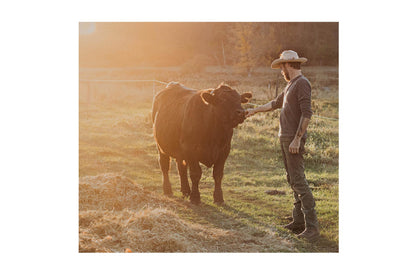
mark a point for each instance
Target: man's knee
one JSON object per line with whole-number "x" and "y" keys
{"x": 307, "y": 200}
{"x": 298, "y": 182}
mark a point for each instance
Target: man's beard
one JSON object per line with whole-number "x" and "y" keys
{"x": 286, "y": 75}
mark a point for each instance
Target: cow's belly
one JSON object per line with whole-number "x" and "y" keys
{"x": 205, "y": 155}
{"x": 166, "y": 134}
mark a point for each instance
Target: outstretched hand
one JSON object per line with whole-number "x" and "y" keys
{"x": 249, "y": 112}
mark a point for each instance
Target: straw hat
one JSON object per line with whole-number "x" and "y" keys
{"x": 287, "y": 56}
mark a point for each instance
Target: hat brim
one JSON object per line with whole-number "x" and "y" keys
{"x": 276, "y": 63}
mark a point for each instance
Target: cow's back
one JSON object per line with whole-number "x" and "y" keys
{"x": 167, "y": 114}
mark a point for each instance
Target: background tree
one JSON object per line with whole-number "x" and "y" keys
{"x": 246, "y": 45}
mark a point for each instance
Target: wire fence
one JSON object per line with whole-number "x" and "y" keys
{"x": 165, "y": 83}
{"x": 125, "y": 81}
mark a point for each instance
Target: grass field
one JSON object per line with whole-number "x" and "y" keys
{"x": 116, "y": 146}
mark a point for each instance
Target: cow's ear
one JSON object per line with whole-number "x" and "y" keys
{"x": 245, "y": 97}
{"x": 208, "y": 98}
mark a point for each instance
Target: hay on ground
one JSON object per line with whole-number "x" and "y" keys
{"x": 118, "y": 215}
{"x": 149, "y": 230}
{"x": 108, "y": 191}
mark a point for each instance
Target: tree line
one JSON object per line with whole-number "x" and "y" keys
{"x": 243, "y": 44}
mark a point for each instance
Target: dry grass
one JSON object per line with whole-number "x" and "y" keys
{"x": 117, "y": 214}
{"x": 108, "y": 192}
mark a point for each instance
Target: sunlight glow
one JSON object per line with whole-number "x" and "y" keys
{"x": 86, "y": 28}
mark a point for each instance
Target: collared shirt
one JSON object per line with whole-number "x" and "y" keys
{"x": 295, "y": 102}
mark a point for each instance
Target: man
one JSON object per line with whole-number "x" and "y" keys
{"x": 295, "y": 114}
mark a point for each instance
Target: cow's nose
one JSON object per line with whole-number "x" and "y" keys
{"x": 240, "y": 113}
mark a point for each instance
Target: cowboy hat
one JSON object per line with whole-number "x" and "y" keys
{"x": 287, "y": 56}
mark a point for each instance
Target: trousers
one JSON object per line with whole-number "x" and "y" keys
{"x": 304, "y": 204}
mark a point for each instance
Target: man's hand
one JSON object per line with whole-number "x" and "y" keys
{"x": 250, "y": 112}
{"x": 294, "y": 146}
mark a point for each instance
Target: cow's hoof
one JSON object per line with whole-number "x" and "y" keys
{"x": 195, "y": 197}
{"x": 169, "y": 194}
{"x": 195, "y": 201}
{"x": 220, "y": 203}
{"x": 186, "y": 193}
{"x": 218, "y": 197}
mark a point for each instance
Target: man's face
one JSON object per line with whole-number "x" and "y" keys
{"x": 285, "y": 72}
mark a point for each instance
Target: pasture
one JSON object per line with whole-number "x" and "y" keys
{"x": 121, "y": 204}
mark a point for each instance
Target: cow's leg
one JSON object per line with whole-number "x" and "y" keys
{"x": 218, "y": 176}
{"x": 165, "y": 167}
{"x": 195, "y": 175}
{"x": 182, "y": 170}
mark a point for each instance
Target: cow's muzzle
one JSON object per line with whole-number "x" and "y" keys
{"x": 239, "y": 117}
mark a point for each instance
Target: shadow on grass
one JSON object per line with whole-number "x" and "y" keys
{"x": 229, "y": 218}
{"x": 321, "y": 245}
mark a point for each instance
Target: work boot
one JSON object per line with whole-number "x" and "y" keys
{"x": 295, "y": 227}
{"x": 311, "y": 232}
{"x": 298, "y": 223}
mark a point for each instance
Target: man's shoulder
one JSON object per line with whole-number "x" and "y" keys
{"x": 303, "y": 79}
{"x": 303, "y": 83}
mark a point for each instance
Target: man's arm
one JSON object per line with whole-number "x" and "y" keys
{"x": 295, "y": 144}
{"x": 272, "y": 105}
{"x": 305, "y": 104}
{"x": 303, "y": 126}
{"x": 262, "y": 108}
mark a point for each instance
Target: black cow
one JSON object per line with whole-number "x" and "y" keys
{"x": 196, "y": 126}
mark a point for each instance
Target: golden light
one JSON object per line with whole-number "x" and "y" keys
{"x": 86, "y": 28}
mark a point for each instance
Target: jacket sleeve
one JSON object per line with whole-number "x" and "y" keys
{"x": 304, "y": 98}
{"x": 278, "y": 102}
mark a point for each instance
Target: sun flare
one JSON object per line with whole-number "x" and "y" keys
{"x": 86, "y": 28}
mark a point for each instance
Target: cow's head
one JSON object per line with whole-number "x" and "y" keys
{"x": 227, "y": 104}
